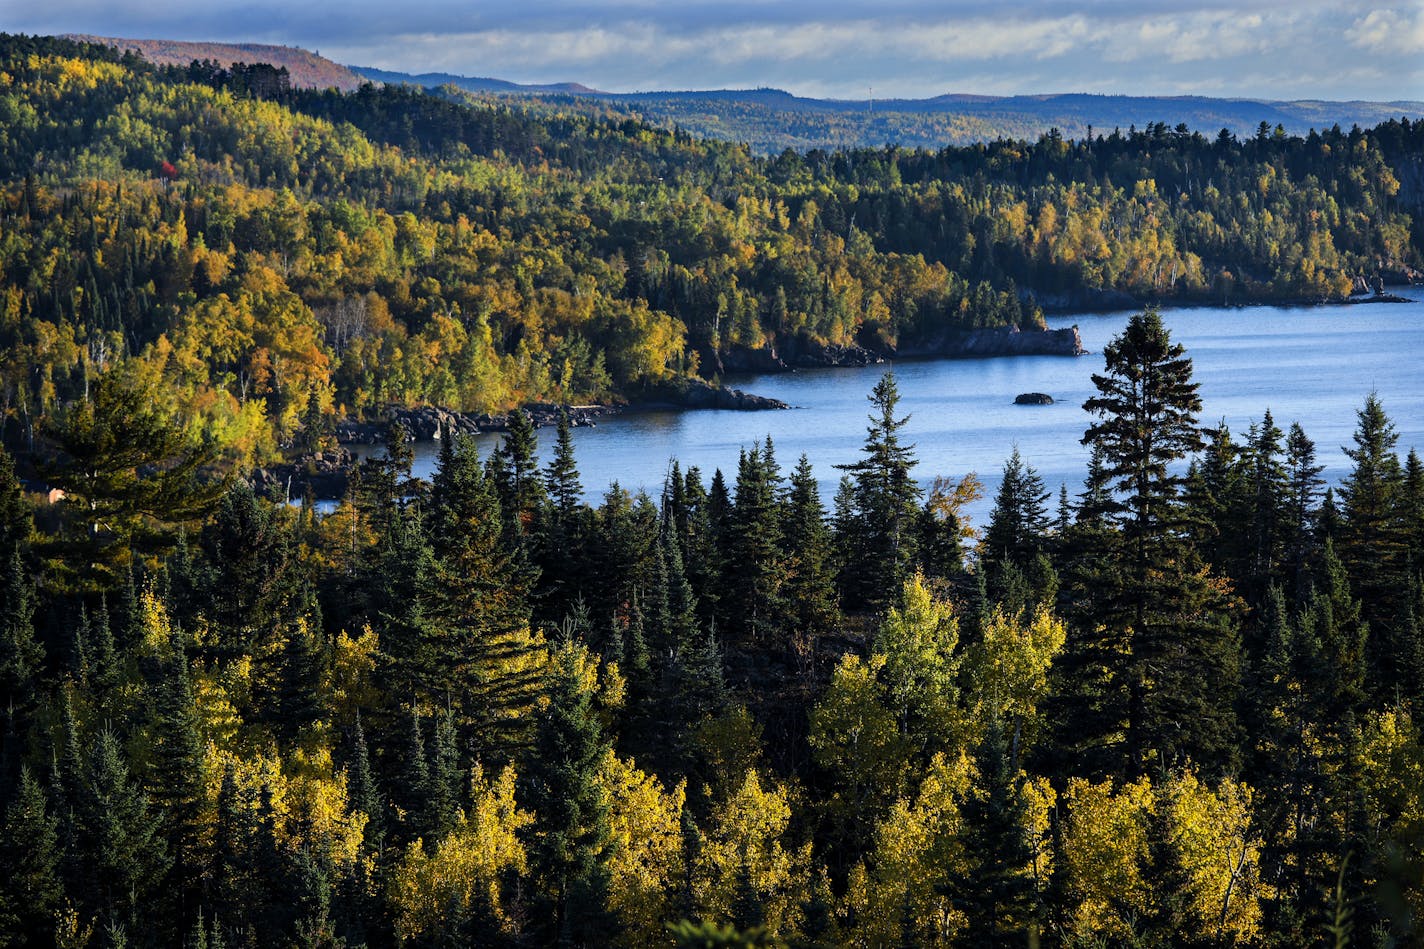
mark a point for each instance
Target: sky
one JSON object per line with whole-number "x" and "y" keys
{"x": 1278, "y": 49}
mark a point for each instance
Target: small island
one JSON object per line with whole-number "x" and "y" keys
{"x": 1033, "y": 398}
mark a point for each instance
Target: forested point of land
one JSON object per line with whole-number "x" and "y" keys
{"x": 1174, "y": 707}
{"x": 267, "y": 260}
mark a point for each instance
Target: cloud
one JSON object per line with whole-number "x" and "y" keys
{"x": 1389, "y": 31}
{"x": 827, "y": 47}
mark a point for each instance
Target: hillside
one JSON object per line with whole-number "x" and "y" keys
{"x": 307, "y": 69}
{"x": 283, "y": 259}
{"x": 770, "y": 120}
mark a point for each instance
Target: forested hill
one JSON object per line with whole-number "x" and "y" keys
{"x": 273, "y": 258}
{"x": 771, "y": 120}
{"x": 308, "y": 70}
{"x": 1175, "y": 709}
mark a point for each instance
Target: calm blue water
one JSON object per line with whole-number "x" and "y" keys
{"x": 1314, "y": 365}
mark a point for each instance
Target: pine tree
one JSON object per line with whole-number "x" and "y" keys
{"x": 1177, "y": 688}
{"x": 755, "y": 569}
{"x": 561, "y": 478}
{"x": 570, "y": 810}
{"x": 131, "y": 476}
{"x": 31, "y": 892}
{"x": 15, "y": 515}
{"x": 249, "y": 584}
{"x": 120, "y": 839}
{"x": 175, "y": 781}
{"x": 363, "y": 791}
{"x": 809, "y": 586}
{"x": 562, "y": 533}
{"x": 297, "y": 702}
{"x": 21, "y": 656}
{"x": 515, "y": 472}
{"x": 1018, "y": 524}
{"x": 1268, "y": 492}
{"x": 997, "y": 892}
{"x": 446, "y": 776}
{"x": 1373, "y": 546}
{"x": 884, "y": 506}
{"x": 414, "y": 784}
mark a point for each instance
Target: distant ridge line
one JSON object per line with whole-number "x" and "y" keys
{"x": 307, "y": 69}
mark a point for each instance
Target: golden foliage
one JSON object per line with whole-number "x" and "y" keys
{"x": 432, "y": 893}
{"x": 645, "y": 858}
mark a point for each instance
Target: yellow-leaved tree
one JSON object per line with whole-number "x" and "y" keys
{"x": 1199, "y": 843}
{"x": 645, "y": 855}
{"x": 746, "y": 873}
{"x": 1104, "y": 851}
{"x": 898, "y": 896}
{"x": 1007, "y": 670}
{"x": 854, "y": 737}
{"x": 461, "y": 883}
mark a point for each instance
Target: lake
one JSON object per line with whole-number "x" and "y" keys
{"x": 1314, "y": 365}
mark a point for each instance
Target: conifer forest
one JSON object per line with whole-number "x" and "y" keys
{"x": 1174, "y": 706}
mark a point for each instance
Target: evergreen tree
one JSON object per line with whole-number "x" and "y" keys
{"x": 249, "y": 587}
{"x": 1018, "y": 524}
{"x": 997, "y": 892}
{"x": 120, "y": 840}
{"x": 809, "y": 586}
{"x": 131, "y": 476}
{"x": 31, "y": 892}
{"x": 1373, "y": 546}
{"x": 363, "y": 791}
{"x": 884, "y": 506}
{"x": 446, "y": 776}
{"x": 21, "y": 656}
{"x": 15, "y": 516}
{"x": 175, "y": 781}
{"x": 561, "y": 478}
{"x": 1177, "y": 685}
{"x": 1268, "y": 493}
{"x": 521, "y": 491}
{"x": 571, "y": 819}
{"x": 563, "y": 531}
{"x": 755, "y": 569}
{"x": 414, "y": 785}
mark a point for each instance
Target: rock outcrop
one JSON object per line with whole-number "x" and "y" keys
{"x": 698, "y": 394}
{"x": 425, "y": 423}
{"x": 996, "y": 341}
{"x": 1033, "y": 398}
{"x": 325, "y": 474}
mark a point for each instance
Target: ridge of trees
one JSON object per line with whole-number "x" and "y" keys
{"x": 273, "y": 258}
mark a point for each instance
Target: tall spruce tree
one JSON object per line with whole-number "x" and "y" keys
{"x": 884, "y": 506}
{"x": 755, "y": 569}
{"x": 1373, "y": 546}
{"x": 808, "y": 589}
{"x": 31, "y": 891}
{"x": 1017, "y": 535}
{"x": 21, "y": 655}
{"x": 570, "y": 845}
{"x": 1177, "y": 685}
{"x": 1301, "y": 506}
{"x": 119, "y": 839}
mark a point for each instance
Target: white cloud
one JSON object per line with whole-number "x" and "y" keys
{"x": 1389, "y": 31}
{"x": 909, "y": 48}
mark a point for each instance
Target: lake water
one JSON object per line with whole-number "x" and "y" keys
{"x": 1314, "y": 365}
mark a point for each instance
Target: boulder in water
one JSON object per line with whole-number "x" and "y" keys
{"x": 1033, "y": 398}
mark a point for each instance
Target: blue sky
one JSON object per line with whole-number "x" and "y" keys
{"x": 1287, "y": 49}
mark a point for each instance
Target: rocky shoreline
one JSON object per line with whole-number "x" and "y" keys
{"x": 326, "y": 475}
{"x": 971, "y": 344}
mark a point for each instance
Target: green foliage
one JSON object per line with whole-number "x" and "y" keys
{"x": 349, "y": 727}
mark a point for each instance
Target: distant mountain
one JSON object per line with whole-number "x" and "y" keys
{"x": 307, "y": 69}
{"x": 433, "y": 80}
{"x": 772, "y": 119}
